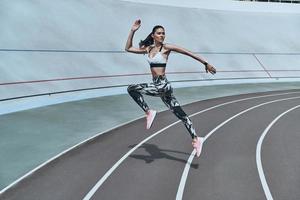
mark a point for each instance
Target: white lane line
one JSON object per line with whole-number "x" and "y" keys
{"x": 188, "y": 164}
{"x": 258, "y": 155}
{"x": 184, "y": 176}
{"x": 111, "y": 170}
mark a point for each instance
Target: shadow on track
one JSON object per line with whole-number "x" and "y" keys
{"x": 157, "y": 153}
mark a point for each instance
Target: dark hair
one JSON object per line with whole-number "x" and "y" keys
{"x": 149, "y": 40}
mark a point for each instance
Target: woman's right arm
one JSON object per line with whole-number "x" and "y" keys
{"x": 129, "y": 47}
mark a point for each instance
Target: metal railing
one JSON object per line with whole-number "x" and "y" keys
{"x": 267, "y": 72}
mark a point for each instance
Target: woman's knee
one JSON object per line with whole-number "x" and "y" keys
{"x": 131, "y": 88}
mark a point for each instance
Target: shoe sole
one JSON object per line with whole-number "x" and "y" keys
{"x": 200, "y": 149}
{"x": 151, "y": 120}
{"x": 201, "y": 145}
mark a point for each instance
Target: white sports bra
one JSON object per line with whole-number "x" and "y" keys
{"x": 158, "y": 60}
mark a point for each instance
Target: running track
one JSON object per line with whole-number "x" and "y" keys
{"x": 251, "y": 151}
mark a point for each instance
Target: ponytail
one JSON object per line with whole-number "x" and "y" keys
{"x": 149, "y": 40}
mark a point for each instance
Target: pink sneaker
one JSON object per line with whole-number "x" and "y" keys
{"x": 150, "y": 117}
{"x": 197, "y": 145}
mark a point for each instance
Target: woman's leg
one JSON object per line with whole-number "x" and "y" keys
{"x": 136, "y": 91}
{"x": 169, "y": 99}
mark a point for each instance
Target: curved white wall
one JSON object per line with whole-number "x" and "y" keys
{"x": 60, "y": 46}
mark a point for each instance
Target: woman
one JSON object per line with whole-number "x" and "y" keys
{"x": 157, "y": 56}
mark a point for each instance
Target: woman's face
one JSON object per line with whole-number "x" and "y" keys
{"x": 159, "y": 35}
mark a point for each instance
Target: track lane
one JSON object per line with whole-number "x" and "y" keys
{"x": 190, "y": 159}
{"x": 80, "y": 178}
{"x": 120, "y": 178}
{"x": 228, "y": 166}
{"x": 99, "y": 155}
{"x": 282, "y": 168}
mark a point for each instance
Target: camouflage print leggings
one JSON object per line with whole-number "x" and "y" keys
{"x": 160, "y": 87}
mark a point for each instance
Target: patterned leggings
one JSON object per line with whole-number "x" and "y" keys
{"x": 160, "y": 87}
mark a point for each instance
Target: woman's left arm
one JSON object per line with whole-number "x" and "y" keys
{"x": 208, "y": 67}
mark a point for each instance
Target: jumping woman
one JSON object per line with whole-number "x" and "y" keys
{"x": 157, "y": 55}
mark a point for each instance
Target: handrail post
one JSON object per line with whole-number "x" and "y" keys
{"x": 260, "y": 63}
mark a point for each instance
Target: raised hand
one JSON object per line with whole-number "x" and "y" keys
{"x": 136, "y": 25}
{"x": 209, "y": 68}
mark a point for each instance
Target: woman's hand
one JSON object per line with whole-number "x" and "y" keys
{"x": 209, "y": 68}
{"x": 136, "y": 25}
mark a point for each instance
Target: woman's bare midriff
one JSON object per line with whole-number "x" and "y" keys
{"x": 157, "y": 71}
